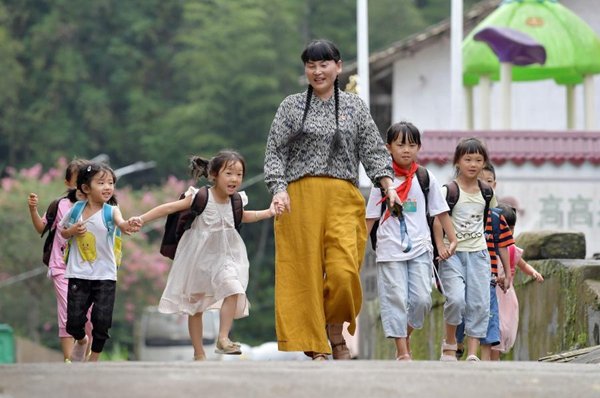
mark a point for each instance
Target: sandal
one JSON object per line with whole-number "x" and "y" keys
{"x": 339, "y": 349}
{"x": 404, "y": 358}
{"x": 448, "y": 347}
{"x": 317, "y": 356}
{"x": 473, "y": 358}
{"x": 230, "y": 348}
{"x": 200, "y": 357}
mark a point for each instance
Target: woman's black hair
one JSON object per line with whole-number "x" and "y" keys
{"x": 201, "y": 167}
{"x": 321, "y": 50}
{"x": 509, "y": 213}
{"x": 86, "y": 174}
{"x": 408, "y": 131}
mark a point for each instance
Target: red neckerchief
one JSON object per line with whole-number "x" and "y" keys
{"x": 403, "y": 188}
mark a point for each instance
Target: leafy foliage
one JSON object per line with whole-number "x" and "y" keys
{"x": 156, "y": 80}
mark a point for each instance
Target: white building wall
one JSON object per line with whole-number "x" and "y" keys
{"x": 421, "y": 89}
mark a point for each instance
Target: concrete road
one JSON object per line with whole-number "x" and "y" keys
{"x": 270, "y": 379}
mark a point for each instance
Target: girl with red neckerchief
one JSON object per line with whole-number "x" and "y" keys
{"x": 404, "y": 248}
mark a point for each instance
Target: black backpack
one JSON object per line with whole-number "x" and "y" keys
{"x": 177, "y": 223}
{"x": 50, "y": 229}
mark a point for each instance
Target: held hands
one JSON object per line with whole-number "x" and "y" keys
{"x": 504, "y": 282}
{"x": 135, "y": 223}
{"x": 128, "y": 228}
{"x": 273, "y": 210}
{"x": 281, "y": 202}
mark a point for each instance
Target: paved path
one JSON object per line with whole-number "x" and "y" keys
{"x": 351, "y": 379}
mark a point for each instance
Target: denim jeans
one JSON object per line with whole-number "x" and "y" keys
{"x": 466, "y": 280}
{"x": 404, "y": 293}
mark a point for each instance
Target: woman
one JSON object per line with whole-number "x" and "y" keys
{"x": 317, "y": 139}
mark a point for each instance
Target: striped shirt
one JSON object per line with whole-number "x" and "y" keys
{"x": 501, "y": 238}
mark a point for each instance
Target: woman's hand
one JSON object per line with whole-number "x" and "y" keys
{"x": 281, "y": 201}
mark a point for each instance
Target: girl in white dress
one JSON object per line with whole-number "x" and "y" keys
{"x": 210, "y": 268}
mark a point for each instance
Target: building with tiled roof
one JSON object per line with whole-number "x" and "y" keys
{"x": 552, "y": 173}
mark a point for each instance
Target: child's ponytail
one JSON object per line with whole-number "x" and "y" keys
{"x": 198, "y": 167}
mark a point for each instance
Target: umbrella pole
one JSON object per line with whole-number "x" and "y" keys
{"x": 588, "y": 92}
{"x": 505, "y": 82}
{"x": 469, "y": 104}
{"x": 486, "y": 95}
{"x": 570, "y": 107}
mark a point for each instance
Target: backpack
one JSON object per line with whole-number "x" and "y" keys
{"x": 50, "y": 229}
{"x": 423, "y": 178}
{"x": 452, "y": 195}
{"x": 495, "y": 213}
{"x": 113, "y": 232}
{"x": 179, "y": 222}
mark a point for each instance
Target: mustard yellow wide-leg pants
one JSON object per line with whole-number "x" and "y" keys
{"x": 319, "y": 247}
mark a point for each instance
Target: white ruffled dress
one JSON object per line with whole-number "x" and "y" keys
{"x": 211, "y": 263}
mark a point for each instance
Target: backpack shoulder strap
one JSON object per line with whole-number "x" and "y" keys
{"x": 51, "y": 212}
{"x": 238, "y": 209}
{"x": 488, "y": 193}
{"x": 76, "y": 211}
{"x": 452, "y": 194}
{"x": 107, "y": 217}
{"x": 494, "y": 214}
{"x": 423, "y": 178}
{"x": 200, "y": 201}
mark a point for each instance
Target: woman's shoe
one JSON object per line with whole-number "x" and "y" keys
{"x": 339, "y": 349}
{"x": 445, "y": 357}
{"x": 473, "y": 358}
{"x": 317, "y": 356}
{"x": 200, "y": 357}
{"x": 229, "y": 348}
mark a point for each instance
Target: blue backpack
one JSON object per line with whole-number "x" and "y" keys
{"x": 113, "y": 232}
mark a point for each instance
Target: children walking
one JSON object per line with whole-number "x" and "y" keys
{"x": 56, "y": 263}
{"x": 465, "y": 276}
{"x": 210, "y": 267}
{"x": 404, "y": 248}
{"x": 508, "y": 303}
{"x": 91, "y": 259}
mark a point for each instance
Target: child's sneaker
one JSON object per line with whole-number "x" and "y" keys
{"x": 78, "y": 354}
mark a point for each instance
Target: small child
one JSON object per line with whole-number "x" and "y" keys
{"x": 499, "y": 238}
{"x": 91, "y": 261}
{"x": 508, "y": 303}
{"x": 210, "y": 268}
{"x": 404, "y": 273}
{"x": 56, "y": 263}
{"x": 465, "y": 276}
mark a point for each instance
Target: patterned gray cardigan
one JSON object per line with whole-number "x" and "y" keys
{"x": 311, "y": 155}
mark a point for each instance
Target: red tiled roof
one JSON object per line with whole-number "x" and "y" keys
{"x": 517, "y": 147}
